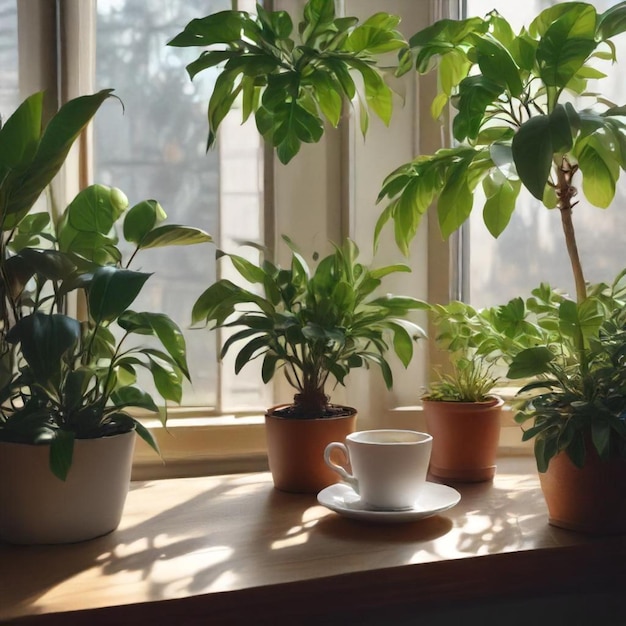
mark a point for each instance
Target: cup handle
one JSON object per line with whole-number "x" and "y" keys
{"x": 348, "y": 478}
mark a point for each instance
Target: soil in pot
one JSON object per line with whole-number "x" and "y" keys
{"x": 295, "y": 447}
{"x": 591, "y": 499}
{"x": 465, "y": 439}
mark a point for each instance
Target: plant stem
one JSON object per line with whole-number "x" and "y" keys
{"x": 565, "y": 192}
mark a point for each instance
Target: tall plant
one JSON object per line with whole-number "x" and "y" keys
{"x": 513, "y": 124}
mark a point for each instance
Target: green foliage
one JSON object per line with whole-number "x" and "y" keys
{"x": 576, "y": 396}
{"x": 470, "y": 381}
{"x": 292, "y": 82}
{"x": 63, "y": 379}
{"x": 477, "y": 342}
{"x": 511, "y": 122}
{"x": 313, "y": 324}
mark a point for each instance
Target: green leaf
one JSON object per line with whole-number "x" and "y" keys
{"x": 23, "y": 189}
{"x": 598, "y": 178}
{"x": 254, "y": 348}
{"x": 166, "y": 381}
{"x": 61, "y": 453}
{"x": 560, "y": 130}
{"x": 455, "y": 202}
{"x": 161, "y": 326}
{"x": 532, "y": 153}
{"x": 501, "y": 194}
{"x": 476, "y": 93}
{"x": 133, "y": 396}
{"x": 601, "y": 436}
{"x": 402, "y": 344}
{"x": 174, "y": 235}
{"x": 377, "y": 94}
{"x": 251, "y": 272}
{"x": 530, "y": 362}
{"x": 566, "y": 45}
{"x": 146, "y": 435}
{"x": 220, "y": 27}
{"x": 45, "y": 340}
{"x": 328, "y": 91}
{"x": 141, "y": 219}
{"x": 612, "y": 22}
{"x": 112, "y": 291}
{"x": 19, "y": 136}
{"x": 497, "y": 64}
{"x": 318, "y": 16}
{"x": 96, "y": 209}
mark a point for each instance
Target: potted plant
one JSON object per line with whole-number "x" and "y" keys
{"x": 462, "y": 413}
{"x": 66, "y": 434}
{"x": 314, "y": 325}
{"x": 515, "y": 127}
{"x": 575, "y": 406}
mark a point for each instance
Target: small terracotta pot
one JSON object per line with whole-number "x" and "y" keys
{"x": 465, "y": 438}
{"x": 36, "y": 507}
{"x": 295, "y": 449}
{"x": 591, "y": 499}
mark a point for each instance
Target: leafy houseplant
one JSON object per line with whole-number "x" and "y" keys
{"x": 577, "y": 396}
{"x": 67, "y": 380}
{"x": 292, "y": 83}
{"x": 461, "y": 412}
{"x": 576, "y": 406}
{"x": 313, "y": 325}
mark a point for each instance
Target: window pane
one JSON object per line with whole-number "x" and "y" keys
{"x": 532, "y": 248}
{"x": 156, "y": 149}
{"x": 9, "y": 86}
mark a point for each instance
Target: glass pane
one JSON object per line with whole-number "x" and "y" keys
{"x": 9, "y": 85}
{"x": 532, "y": 248}
{"x": 156, "y": 149}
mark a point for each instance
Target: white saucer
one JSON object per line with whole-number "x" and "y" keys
{"x": 434, "y": 499}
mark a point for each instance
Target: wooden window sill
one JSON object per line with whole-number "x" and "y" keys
{"x": 231, "y": 549}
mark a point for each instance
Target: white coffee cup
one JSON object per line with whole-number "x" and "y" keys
{"x": 389, "y": 466}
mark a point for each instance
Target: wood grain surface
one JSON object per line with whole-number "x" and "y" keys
{"x": 232, "y": 549}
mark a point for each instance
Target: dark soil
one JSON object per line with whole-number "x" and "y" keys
{"x": 294, "y": 411}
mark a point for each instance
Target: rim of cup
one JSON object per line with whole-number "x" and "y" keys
{"x": 414, "y": 436}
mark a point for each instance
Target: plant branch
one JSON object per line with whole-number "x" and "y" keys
{"x": 565, "y": 192}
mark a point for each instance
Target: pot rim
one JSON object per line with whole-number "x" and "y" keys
{"x": 47, "y": 444}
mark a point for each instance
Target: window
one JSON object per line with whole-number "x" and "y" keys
{"x": 156, "y": 149}
{"x": 532, "y": 248}
{"x": 9, "y": 87}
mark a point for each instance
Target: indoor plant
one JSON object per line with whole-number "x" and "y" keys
{"x": 461, "y": 410}
{"x": 68, "y": 383}
{"x": 515, "y": 127}
{"x": 315, "y": 325}
{"x": 293, "y": 83}
{"x": 576, "y": 408}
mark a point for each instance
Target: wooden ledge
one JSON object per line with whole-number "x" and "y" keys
{"x": 231, "y": 549}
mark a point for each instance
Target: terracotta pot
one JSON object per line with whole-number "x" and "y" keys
{"x": 591, "y": 499}
{"x": 36, "y": 507}
{"x": 465, "y": 439}
{"x": 295, "y": 450}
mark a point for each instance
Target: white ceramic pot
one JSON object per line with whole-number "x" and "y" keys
{"x": 36, "y": 507}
